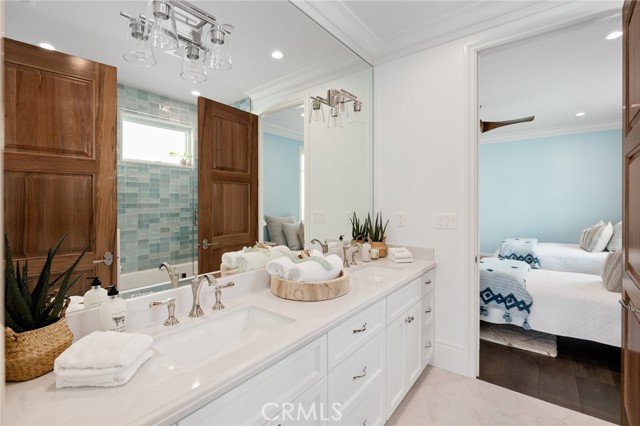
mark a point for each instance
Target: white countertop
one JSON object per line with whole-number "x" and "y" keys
{"x": 163, "y": 393}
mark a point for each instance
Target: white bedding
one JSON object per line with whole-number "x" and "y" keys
{"x": 572, "y": 305}
{"x": 570, "y": 258}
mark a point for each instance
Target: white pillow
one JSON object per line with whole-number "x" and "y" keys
{"x": 612, "y": 272}
{"x": 595, "y": 238}
{"x": 616, "y": 241}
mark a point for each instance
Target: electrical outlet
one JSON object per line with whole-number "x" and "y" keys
{"x": 446, "y": 221}
{"x": 401, "y": 219}
{"x": 319, "y": 217}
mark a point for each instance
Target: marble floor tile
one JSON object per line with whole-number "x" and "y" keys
{"x": 442, "y": 398}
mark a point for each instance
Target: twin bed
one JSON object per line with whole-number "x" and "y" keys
{"x": 569, "y": 297}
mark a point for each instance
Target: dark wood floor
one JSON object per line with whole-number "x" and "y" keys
{"x": 585, "y": 376}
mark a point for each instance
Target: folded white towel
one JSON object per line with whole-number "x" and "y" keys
{"x": 99, "y": 377}
{"x": 409, "y": 260}
{"x": 392, "y": 250}
{"x": 401, "y": 255}
{"x": 311, "y": 270}
{"x": 104, "y": 349}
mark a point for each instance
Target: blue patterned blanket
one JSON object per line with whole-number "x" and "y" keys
{"x": 503, "y": 287}
{"x": 523, "y": 249}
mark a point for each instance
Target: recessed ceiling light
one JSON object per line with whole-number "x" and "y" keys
{"x": 580, "y": 114}
{"x": 196, "y": 93}
{"x": 47, "y": 46}
{"x": 614, "y": 35}
{"x": 276, "y": 54}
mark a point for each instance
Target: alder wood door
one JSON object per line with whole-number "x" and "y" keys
{"x": 60, "y": 159}
{"x": 227, "y": 181}
{"x": 631, "y": 210}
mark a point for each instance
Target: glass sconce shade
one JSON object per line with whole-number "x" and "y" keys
{"x": 218, "y": 51}
{"x": 161, "y": 25}
{"x": 341, "y": 107}
{"x": 137, "y": 49}
{"x": 357, "y": 117}
{"x": 193, "y": 65}
{"x": 317, "y": 112}
{"x": 334, "y": 119}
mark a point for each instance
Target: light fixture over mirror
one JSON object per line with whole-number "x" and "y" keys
{"x": 337, "y": 101}
{"x": 169, "y": 25}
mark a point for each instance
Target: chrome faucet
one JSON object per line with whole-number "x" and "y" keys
{"x": 173, "y": 274}
{"x": 171, "y": 307}
{"x": 219, "y": 306}
{"x": 346, "y": 249}
{"x": 196, "y": 283}
{"x": 324, "y": 246}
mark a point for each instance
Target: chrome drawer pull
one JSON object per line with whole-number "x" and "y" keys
{"x": 360, "y": 376}
{"x": 428, "y": 311}
{"x": 427, "y": 282}
{"x": 629, "y": 308}
{"x": 360, "y": 330}
{"x": 428, "y": 345}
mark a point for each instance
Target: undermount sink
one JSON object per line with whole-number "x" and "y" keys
{"x": 373, "y": 273}
{"x": 219, "y": 335}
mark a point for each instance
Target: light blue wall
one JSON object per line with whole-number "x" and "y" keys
{"x": 281, "y": 176}
{"x": 549, "y": 188}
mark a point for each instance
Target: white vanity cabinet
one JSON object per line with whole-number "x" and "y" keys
{"x": 409, "y": 337}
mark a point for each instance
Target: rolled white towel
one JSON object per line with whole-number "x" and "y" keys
{"x": 104, "y": 349}
{"x": 100, "y": 377}
{"x": 231, "y": 258}
{"x": 311, "y": 270}
{"x": 258, "y": 259}
{"x": 280, "y": 267}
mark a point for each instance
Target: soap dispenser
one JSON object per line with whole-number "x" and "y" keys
{"x": 341, "y": 247}
{"x": 96, "y": 296}
{"x": 113, "y": 312}
{"x": 366, "y": 250}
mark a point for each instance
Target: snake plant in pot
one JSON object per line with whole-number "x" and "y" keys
{"x": 36, "y": 331}
{"x": 378, "y": 236}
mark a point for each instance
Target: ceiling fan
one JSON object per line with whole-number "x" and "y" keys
{"x": 486, "y": 126}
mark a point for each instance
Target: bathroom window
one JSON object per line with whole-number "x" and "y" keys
{"x": 154, "y": 140}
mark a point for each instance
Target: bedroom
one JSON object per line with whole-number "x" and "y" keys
{"x": 551, "y": 179}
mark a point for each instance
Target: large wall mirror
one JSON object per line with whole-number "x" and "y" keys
{"x": 315, "y": 172}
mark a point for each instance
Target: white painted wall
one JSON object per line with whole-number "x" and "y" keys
{"x": 425, "y": 164}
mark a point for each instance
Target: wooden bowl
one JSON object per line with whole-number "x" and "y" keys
{"x": 311, "y": 291}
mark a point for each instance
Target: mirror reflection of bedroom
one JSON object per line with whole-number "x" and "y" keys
{"x": 550, "y": 217}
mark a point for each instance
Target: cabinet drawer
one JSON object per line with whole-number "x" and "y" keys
{"x": 428, "y": 282}
{"x": 370, "y": 411}
{"x": 402, "y": 299}
{"x": 358, "y": 374}
{"x": 309, "y": 409}
{"x": 280, "y": 383}
{"x": 427, "y": 344}
{"x": 427, "y": 309}
{"x": 354, "y": 332}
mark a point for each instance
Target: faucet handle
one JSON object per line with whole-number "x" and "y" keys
{"x": 171, "y": 308}
{"x": 221, "y": 286}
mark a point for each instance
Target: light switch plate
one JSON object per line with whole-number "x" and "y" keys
{"x": 446, "y": 221}
{"x": 319, "y": 217}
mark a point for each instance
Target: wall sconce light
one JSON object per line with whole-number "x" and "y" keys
{"x": 172, "y": 24}
{"x": 337, "y": 101}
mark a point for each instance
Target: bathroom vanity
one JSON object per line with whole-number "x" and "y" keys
{"x": 262, "y": 360}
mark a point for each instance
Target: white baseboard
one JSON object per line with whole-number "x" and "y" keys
{"x": 451, "y": 358}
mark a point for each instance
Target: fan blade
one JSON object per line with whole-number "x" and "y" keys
{"x": 486, "y": 126}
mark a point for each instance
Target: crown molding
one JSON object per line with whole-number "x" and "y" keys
{"x": 285, "y": 132}
{"x": 553, "y": 131}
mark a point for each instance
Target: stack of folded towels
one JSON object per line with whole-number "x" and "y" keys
{"x": 400, "y": 255}
{"x": 250, "y": 258}
{"x": 102, "y": 359}
{"x": 316, "y": 267}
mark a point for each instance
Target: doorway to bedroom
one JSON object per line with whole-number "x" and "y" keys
{"x": 549, "y": 189}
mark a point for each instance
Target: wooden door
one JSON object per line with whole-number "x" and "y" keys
{"x": 227, "y": 181}
{"x": 631, "y": 241}
{"x": 59, "y": 159}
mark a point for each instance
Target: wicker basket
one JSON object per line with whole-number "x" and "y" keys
{"x": 311, "y": 291}
{"x": 31, "y": 354}
{"x": 381, "y": 246}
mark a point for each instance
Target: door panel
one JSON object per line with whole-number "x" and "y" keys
{"x": 60, "y": 159}
{"x": 631, "y": 217}
{"x": 228, "y": 181}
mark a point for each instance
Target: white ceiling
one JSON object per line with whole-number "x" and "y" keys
{"x": 94, "y": 30}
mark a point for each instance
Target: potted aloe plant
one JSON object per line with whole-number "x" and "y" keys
{"x": 378, "y": 236}
{"x": 358, "y": 229}
{"x": 36, "y": 331}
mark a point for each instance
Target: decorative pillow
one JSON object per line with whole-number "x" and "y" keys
{"x": 616, "y": 241}
{"x": 301, "y": 233}
{"x": 595, "y": 238}
{"x": 274, "y": 228}
{"x": 612, "y": 272}
{"x": 291, "y": 234}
